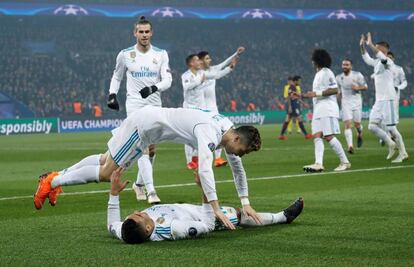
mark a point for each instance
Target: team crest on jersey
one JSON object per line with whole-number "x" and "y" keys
{"x": 154, "y": 60}
{"x": 212, "y": 147}
{"x": 132, "y": 54}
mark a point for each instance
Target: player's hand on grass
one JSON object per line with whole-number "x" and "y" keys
{"x": 224, "y": 220}
{"x": 240, "y": 50}
{"x": 249, "y": 211}
{"x": 148, "y": 90}
{"x": 116, "y": 183}
{"x": 113, "y": 102}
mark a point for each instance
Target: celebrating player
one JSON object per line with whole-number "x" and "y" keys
{"x": 325, "y": 112}
{"x": 204, "y": 131}
{"x": 193, "y": 89}
{"x": 209, "y": 89}
{"x": 293, "y": 110}
{"x": 383, "y": 110}
{"x": 400, "y": 83}
{"x": 148, "y": 73}
{"x": 350, "y": 84}
{"x": 180, "y": 221}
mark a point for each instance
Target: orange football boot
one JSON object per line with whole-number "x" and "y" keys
{"x": 44, "y": 188}
{"x": 218, "y": 162}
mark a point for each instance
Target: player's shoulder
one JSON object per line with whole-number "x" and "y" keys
{"x": 339, "y": 76}
{"x": 157, "y": 49}
{"x": 129, "y": 49}
{"x": 356, "y": 73}
{"x": 186, "y": 73}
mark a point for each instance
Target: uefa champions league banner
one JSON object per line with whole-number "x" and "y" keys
{"x": 88, "y": 125}
{"x": 29, "y": 126}
{"x": 130, "y": 11}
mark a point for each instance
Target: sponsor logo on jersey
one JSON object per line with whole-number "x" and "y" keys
{"x": 154, "y": 60}
{"x": 132, "y": 54}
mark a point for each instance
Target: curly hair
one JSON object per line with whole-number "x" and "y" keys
{"x": 321, "y": 58}
{"x": 250, "y": 136}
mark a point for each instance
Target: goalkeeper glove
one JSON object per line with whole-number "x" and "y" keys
{"x": 146, "y": 91}
{"x": 112, "y": 102}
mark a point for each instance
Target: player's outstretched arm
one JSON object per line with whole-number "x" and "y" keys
{"x": 114, "y": 223}
{"x": 228, "y": 60}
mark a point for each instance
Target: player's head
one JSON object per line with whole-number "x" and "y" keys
{"x": 243, "y": 140}
{"x": 137, "y": 228}
{"x": 143, "y": 31}
{"x": 193, "y": 62}
{"x": 205, "y": 59}
{"x": 382, "y": 46}
{"x": 321, "y": 58}
{"x": 391, "y": 55}
{"x": 290, "y": 80}
{"x": 297, "y": 80}
{"x": 346, "y": 65}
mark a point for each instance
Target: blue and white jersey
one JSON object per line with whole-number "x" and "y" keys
{"x": 171, "y": 221}
{"x": 142, "y": 69}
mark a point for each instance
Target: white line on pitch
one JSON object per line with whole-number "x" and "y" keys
{"x": 230, "y": 181}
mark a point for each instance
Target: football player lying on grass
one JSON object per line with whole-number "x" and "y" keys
{"x": 180, "y": 221}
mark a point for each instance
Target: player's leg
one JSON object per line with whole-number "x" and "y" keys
{"x": 285, "y": 124}
{"x": 289, "y": 127}
{"x": 376, "y": 117}
{"x": 357, "y": 118}
{"x": 331, "y": 128}
{"x": 391, "y": 119}
{"x": 288, "y": 215}
{"x": 319, "y": 148}
{"x": 298, "y": 128}
{"x": 145, "y": 177}
{"x": 191, "y": 157}
{"x": 302, "y": 126}
{"x": 348, "y": 136}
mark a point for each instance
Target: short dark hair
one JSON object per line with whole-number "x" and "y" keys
{"x": 202, "y": 54}
{"x": 384, "y": 44}
{"x": 189, "y": 58}
{"x": 296, "y": 78}
{"x": 250, "y": 136}
{"x": 133, "y": 232}
{"x": 142, "y": 21}
{"x": 347, "y": 59}
{"x": 390, "y": 54}
{"x": 321, "y": 58}
{"x": 290, "y": 78}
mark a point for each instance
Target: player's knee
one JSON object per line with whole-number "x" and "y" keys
{"x": 372, "y": 127}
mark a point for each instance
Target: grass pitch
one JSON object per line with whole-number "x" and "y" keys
{"x": 357, "y": 218}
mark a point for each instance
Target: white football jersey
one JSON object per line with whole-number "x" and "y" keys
{"x": 194, "y": 86}
{"x": 325, "y": 106}
{"x": 142, "y": 69}
{"x": 171, "y": 221}
{"x": 383, "y": 76}
{"x": 199, "y": 129}
{"x": 345, "y": 83}
{"x": 400, "y": 82}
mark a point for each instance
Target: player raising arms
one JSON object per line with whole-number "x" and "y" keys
{"x": 383, "y": 110}
{"x": 209, "y": 89}
{"x": 204, "y": 131}
{"x": 193, "y": 91}
{"x": 148, "y": 73}
{"x": 180, "y": 221}
{"x": 325, "y": 112}
{"x": 350, "y": 84}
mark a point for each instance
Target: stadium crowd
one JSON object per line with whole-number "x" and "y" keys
{"x": 50, "y": 63}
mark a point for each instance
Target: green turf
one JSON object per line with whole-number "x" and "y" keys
{"x": 350, "y": 219}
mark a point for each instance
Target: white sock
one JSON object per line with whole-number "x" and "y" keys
{"x": 319, "y": 149}
{"x": 266, "y": 218}
{"x": 380, "y": 133}
{"x": 145, "y": 171}
{"x": 83, "y": 175}
{"x": 217, "y": 153}
{"x": 88, "y": 161}
{"x": 188, "y": 153}
{"x": 339, "y": 151}
{"x": 398, "y": 139}
{"x": 348, "y": 137}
